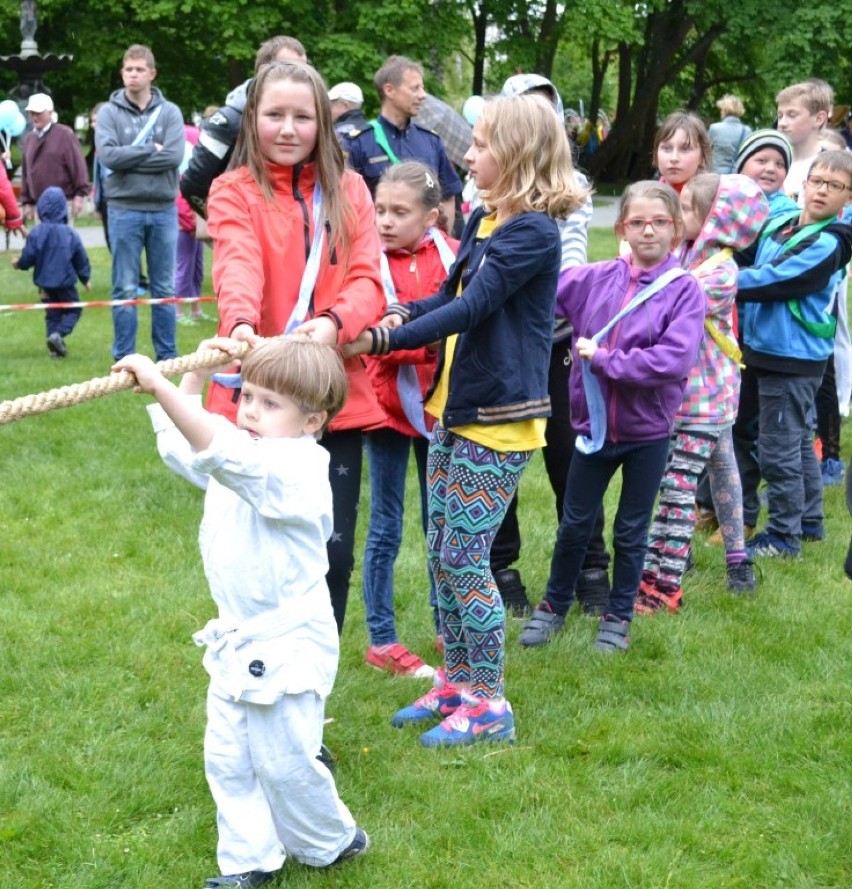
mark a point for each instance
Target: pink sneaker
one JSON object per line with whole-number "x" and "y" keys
{"x": 397, "y": 659}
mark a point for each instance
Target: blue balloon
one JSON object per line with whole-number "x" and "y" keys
{"x": 9, "y": 111}
{"x": 19, "y": 125}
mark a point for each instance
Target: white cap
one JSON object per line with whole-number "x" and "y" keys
{"x": 347, "y": 92}
{"x": 39, "y": 102}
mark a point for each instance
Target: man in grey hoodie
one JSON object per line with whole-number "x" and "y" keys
{"x": 140, "y": 143}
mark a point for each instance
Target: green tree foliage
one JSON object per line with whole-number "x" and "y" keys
{"x": 637, "y": 61}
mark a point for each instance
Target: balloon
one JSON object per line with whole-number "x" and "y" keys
{"x": 472, "y": 109}
{"x": 18, "y": 126}
{"x": 8, "y": 113}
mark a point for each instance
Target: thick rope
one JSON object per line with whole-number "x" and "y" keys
{"x": 66, "y": 396}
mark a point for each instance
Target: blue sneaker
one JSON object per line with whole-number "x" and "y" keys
{"x": 442, "y": 700}
{"x": 833, "y": 471}
{"x": 472, "y": 723}
{"x": 359, "y": 845}
{"x": 767, "y": 546}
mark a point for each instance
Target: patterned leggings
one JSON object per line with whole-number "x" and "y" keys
{"x": 671, "y": 532}
{"x": 470, "y": 488}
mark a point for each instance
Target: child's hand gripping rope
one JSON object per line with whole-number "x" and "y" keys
{"x": 66, "y": 396}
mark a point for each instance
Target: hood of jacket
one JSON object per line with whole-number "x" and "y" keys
{"x": 52, "y": 206}
{"x": 119, "y": 97}
{"x": 238, "y": 96}
{"x": 735, "y": 218}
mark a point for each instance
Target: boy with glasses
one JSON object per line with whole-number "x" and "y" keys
{"x": 788, "y": 322}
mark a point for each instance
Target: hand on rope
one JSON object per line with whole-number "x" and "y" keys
{"x": 77, "y": 393}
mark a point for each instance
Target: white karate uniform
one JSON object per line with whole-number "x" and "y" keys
{"x": 272, "y": 652}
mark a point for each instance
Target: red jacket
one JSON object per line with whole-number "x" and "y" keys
{"x": 11, "y": 211}
{"x": 415, "y": 275}
{"x": 258, "y": 259}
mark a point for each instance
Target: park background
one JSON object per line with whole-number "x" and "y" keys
{"x": 717, "y": 753}
{"x": 633, "y": 61}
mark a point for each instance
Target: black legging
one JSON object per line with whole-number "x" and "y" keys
{"x": 345, "y": 453}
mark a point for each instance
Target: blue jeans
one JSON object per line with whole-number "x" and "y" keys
{"x": 642, "y": 465}
{"x": 131, "y": 231}
{"x": 387, "y": 459}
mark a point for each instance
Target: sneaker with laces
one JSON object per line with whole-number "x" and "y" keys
{"x": 359, "y": 845}
{"x": 248, "y": 880}
{"x": 741, "y": 577}
{"x": 439, "y": 702}
{"x": 542, "y": 626}
{"x": 657, "y": 600}
{"x": 397, "y": 659}
{"x": 833, "y": 471}
{"x": 473, "y": 722}
{"x": 767, "y": 546}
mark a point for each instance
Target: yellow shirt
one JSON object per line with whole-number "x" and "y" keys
{"x": 524, "y": 435}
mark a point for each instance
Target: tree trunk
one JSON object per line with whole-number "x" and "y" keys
{"x": 626, "y": 152}
{"x": 479, "y": 17}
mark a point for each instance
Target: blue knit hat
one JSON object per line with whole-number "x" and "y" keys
{"x": 761, "y": 139}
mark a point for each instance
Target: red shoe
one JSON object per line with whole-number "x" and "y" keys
{"x": 397, "y": 659}
{"x": 656, "y": 600}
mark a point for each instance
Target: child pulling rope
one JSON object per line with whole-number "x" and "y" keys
{"x": 77, "y": 393}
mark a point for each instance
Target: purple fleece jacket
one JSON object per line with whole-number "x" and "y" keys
{"x": 642, "y": 364}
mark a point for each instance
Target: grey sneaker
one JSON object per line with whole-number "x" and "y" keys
{"x": 741, "y": 577}
{"x": 612, "y": 635}
{"x": 541, "y": 627}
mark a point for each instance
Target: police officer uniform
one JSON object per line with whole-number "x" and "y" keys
{"x": 368, "y": 158}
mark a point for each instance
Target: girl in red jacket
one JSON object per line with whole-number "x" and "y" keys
{"x": 415, "y": 263}
{"x": 295, "y": 240}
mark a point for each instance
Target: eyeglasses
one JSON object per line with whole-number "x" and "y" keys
{"x": 817, "y": 183}
{"x": 658, "y": 223}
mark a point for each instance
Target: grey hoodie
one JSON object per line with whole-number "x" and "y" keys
{"x": 141, "y": 177}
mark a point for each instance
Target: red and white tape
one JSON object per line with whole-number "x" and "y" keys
{"x": 104, "y": 303}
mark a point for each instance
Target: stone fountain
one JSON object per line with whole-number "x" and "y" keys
{"x": 29, "y": 64}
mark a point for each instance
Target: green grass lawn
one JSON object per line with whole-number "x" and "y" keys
{"x": 716, "y": 753}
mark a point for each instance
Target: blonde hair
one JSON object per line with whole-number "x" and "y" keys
{"x": 423, "y": 181}
{"x": 651, "y": 190}
{"x": 533, "y": 157}
{"x": 696, "y": 134}
{"x": 730, "y": 104}
{"x": 703, "y": 189}
{"x": 815, "y": 95}
{"x": 310, "y": 373}
{"x": 327, "y": 154}
{"x": 139, "y": 51}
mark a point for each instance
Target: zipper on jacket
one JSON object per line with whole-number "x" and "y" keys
{"x": 297, "y": 196}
